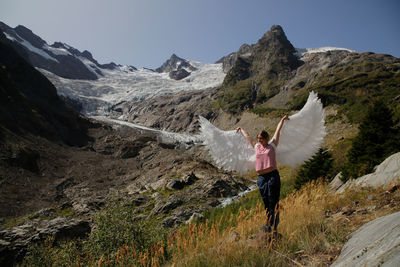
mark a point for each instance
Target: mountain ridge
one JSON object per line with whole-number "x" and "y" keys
{"x": 59, "y": 58}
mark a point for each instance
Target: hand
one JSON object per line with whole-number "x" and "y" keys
{"x": 238, "y": 129}
{"x": 286, "y": 117}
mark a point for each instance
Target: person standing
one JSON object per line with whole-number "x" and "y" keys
{"x": 268, "y": 182}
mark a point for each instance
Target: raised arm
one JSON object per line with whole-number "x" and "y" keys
{"x": 246, "y": 135}
{"x": 275, "y": 138}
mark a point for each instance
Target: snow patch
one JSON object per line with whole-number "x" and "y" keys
{"x": 301, "y": 52}
{"x": 57, "y": 51}
{"x": 30, "y": 47}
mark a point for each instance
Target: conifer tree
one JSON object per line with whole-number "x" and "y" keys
{"x": 318, "y": 166}
{"x": 377, "y": 139}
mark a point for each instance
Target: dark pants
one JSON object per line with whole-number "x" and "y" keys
{"x": 270, "y": 187}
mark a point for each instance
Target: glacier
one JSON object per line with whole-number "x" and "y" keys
{"x": 124, "y": 84}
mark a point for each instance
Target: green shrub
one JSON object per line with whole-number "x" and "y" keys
{"x": 117, "y": 226}
{"x": 114, "y": 227}
{"x": 320, "y": 165}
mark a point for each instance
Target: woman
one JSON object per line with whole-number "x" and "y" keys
{"x": 268, "y": 181}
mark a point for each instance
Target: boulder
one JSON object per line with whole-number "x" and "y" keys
{"x": 387, "y": 173}
{"x": 376, "y": 243}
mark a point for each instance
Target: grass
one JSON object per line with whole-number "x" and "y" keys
{"x": 312, "y": 225}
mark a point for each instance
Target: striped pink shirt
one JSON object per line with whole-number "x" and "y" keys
{"x": 265, "y": 156}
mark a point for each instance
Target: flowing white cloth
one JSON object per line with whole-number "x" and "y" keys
{"x": 300, "y": 139}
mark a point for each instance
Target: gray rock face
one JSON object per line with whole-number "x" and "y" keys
{"x": 376, "y": 243}
{"x": 229, "y": 60}
{"x": 14, "y": 241}
{"x": 387, "y": 173}
{"x": 336, "y": 182}
{"x": 177, "y": 67}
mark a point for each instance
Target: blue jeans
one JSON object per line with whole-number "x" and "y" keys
{"x": 270, "y": 187}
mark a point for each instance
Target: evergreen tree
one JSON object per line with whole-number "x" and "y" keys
{"x": 377, "y": 139}
{"x": 318, "y": 166}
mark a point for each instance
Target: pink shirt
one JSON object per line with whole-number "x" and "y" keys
{"x": 265, "y": 156}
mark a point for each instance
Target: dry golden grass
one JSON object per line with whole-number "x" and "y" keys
{"x": 314, "y": 226}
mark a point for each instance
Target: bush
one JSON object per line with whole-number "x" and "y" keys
{"x": 117, "y": 226}
{"x": 114, "y": 229}
{"x": 318, "y": 166}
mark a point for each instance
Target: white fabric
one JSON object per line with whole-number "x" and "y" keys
{"x": 300, "y": 139}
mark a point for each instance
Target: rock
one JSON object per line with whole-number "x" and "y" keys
{"x": 129, "y": 150}
{"x": 139, "y": 200}
{"x": 175, "y": 63}
{"x": 336, "y": 182}
{"x": 387, "y": 173}
{"x": 233, "y": 237}
{"x": 83, "y": 206}
{"x": 172, "y": 203}
{"x": 229, "y": 60}
{"x": 171, "y": 222}
{"x": 180, "y": 184}
{"x": 183, "y": 214}
{"x": 179, "y": 74}
{"x": 392, "y": 188}
{"x": 347, "y": 211}
{"x": 376, "y": 243}
{"x": 175, "y": 184}
{"x": 224, "y": 188}
{"x": 15, "y": 240}
{"x": 195, "y": 217}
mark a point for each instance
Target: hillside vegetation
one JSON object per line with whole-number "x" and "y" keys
{"x": 271, "y": 77}
{"x": 315, "y": 223}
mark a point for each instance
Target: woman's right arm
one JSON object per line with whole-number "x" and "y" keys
{"x": 246, "y": 135}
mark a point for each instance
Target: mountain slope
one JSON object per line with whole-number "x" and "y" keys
{"x": 272, "y": 74}
{"x": 59, "y": 58}
{"x": 30, "y": 104}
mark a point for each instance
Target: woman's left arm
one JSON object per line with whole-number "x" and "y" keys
{"x": 275, "y": 138}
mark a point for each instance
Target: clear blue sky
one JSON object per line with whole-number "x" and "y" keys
{"x": 144, "y": 33}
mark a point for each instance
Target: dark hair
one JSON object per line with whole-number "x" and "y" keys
{"x": 264, "y": 134}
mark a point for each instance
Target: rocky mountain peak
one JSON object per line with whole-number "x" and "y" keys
{"x": 177, "y": 67}
{"x": 273, "y": 57}
{"x": 175, "y": 63}
{"x": 275, "y": 47}
{"x": 28, "y": 35}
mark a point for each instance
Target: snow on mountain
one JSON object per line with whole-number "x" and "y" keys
{"x": 305, "y": 51}
{"x": 29, "y": 46}
{"x": 124, "y": 84}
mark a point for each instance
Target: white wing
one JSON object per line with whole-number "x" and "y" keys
{"x": 303, "y": 134}
{"x": 299, "y": 140}
{"x": 229, "y": 150}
